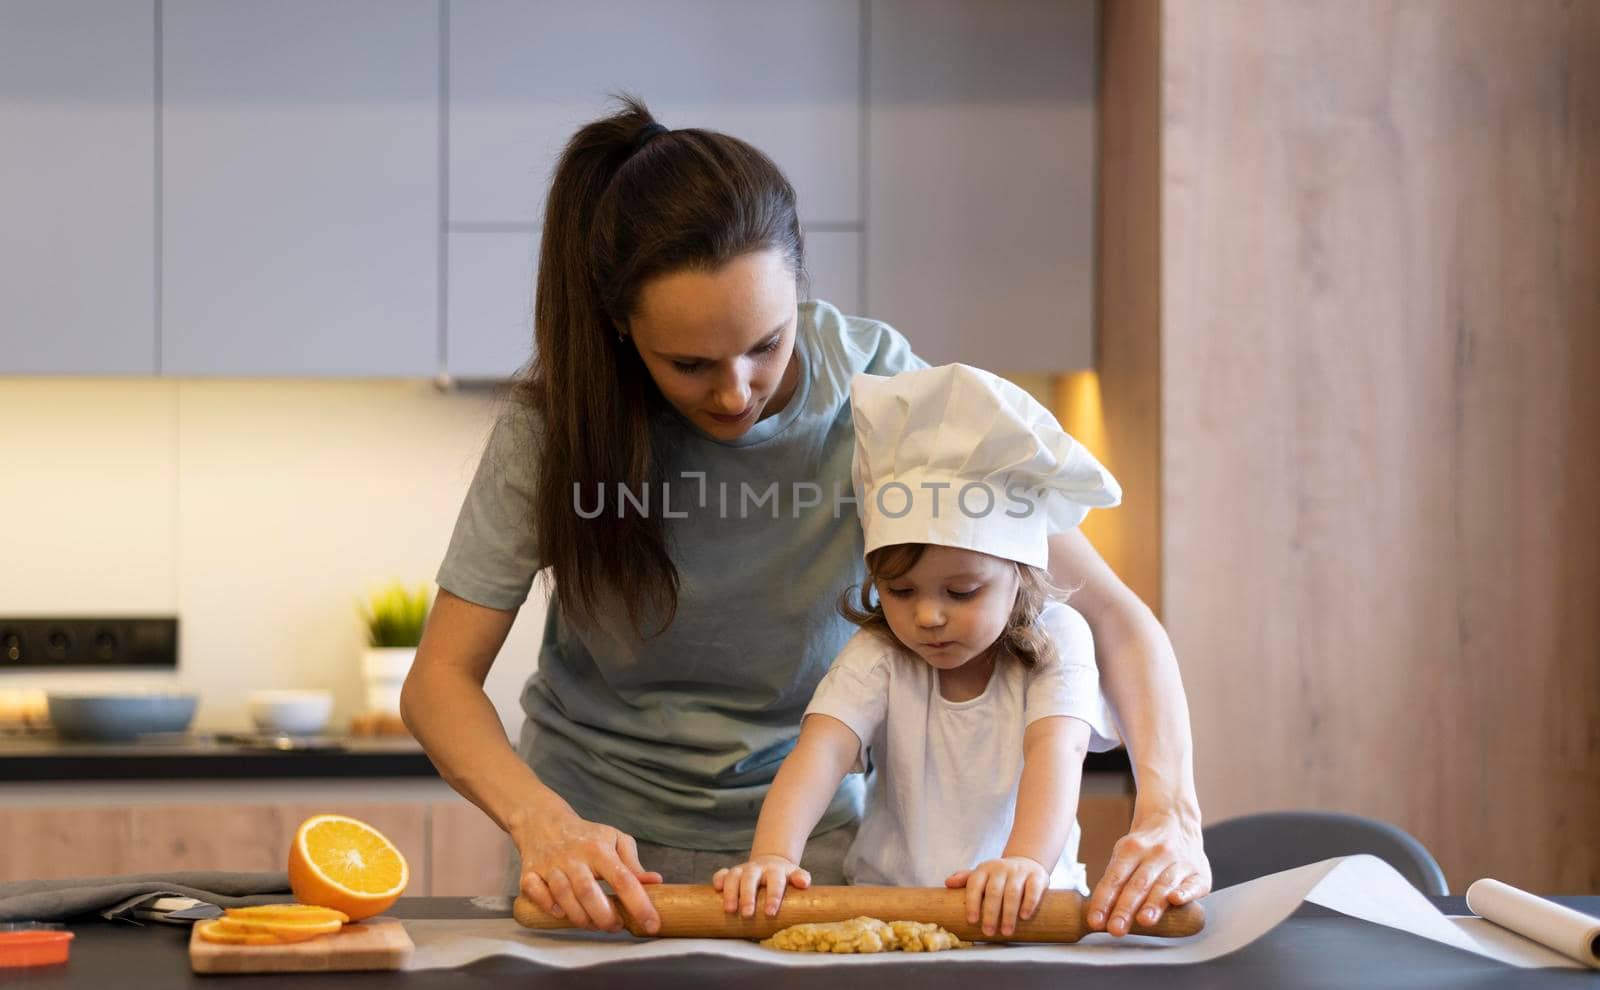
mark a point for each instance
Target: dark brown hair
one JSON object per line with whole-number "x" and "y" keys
{"x": 1022, "y": 638}
{"x": 629, "y": 201}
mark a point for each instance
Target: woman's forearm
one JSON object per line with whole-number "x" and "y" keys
{"x": 453, "y": 719}
{"x": 1139, "y": 674}
{"x": 1160, "y": 862}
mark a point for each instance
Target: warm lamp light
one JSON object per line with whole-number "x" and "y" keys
{"x": 1079, "y": 408}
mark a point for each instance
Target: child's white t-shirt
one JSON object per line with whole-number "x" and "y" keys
{"x": 943, "y": 790}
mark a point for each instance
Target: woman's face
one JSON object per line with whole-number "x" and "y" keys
{"x": 720, "y": 344}
{"x": 951, "y": 606}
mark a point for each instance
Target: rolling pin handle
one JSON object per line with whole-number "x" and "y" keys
{"x": 1177, "y": 922}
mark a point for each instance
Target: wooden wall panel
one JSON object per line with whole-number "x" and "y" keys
{"x": 252, "y": 838}
{"x": 469, "y": 853}
{"x": 55, "y": 843}
{"x": 1381, "y": 417}
{"x": 1128, "y": 298}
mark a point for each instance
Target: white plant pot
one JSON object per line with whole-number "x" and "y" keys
{"x": 387, "y": 663}
{"x": 384, "y": 669}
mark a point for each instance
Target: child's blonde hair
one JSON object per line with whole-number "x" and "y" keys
{"x": 1022, "y": 638}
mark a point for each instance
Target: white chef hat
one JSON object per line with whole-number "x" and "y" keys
{"x": 958, "y": 457}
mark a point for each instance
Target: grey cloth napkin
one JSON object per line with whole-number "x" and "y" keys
{"x": 58, "y": 900}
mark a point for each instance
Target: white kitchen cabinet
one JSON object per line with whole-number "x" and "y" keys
{"x": 833, "y": 261}
{"x": 301, "y": 187}
{"x": 490, "y": 317}
{"x": 284, "y": 188}
{"x": 783, "y": 75}
{"x": 77, "y": 187}
{"x": 966, "y": 220}
{"x": 980, "y": 183}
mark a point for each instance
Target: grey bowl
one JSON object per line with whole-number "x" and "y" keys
{"x": 120, "y": 717}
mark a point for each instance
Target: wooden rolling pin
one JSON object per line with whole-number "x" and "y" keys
{"x": 695, "y": 911}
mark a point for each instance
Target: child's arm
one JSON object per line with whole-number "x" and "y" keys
{"x": 1047, "y": 802}
{"x": 800, "y": 793}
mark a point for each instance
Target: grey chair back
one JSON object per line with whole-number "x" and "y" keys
{"x": 1253, "y": 846}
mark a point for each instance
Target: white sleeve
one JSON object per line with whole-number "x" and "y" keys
{"x": 855, "y": 690}
{"x": 1070, "y": 684}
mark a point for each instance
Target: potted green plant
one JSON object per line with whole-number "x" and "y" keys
{"x": 394, "y": 617}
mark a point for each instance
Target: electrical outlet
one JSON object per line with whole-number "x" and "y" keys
{"x": 69, "y": 641}
{"x": 13, "y": 644}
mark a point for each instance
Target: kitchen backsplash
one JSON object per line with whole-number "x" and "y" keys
{"x": 258, "y": 512}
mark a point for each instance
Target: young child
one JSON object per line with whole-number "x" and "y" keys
{"x": 969, "y": 692}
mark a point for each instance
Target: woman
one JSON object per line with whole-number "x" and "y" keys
{"x": 679, "y": 457}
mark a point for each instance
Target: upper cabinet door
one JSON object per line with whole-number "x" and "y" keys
{"x": 785, "y": 76}
{"x": 980, "y": 191}
{"x": 490, "y": 320}
{"x": 301, "y": 191}
{"x": 781, "y": 74}
{"x": 77, "y": 187}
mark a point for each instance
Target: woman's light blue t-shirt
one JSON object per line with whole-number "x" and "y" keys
{"x": 676, "y": 739}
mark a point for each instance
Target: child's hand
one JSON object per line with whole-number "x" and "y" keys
{"x": 740, "y": 883}
{"x": 1003, "y": 890}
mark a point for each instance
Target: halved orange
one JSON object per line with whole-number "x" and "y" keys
{"x": 346, "y": 864}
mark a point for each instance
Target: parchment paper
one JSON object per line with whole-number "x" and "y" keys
{"x": 1360, "y": 886}
{"x": 1569, "y": 932}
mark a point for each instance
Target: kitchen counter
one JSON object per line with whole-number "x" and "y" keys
{"x": 1314, "y": 948}
{"x": 205, "y": 757}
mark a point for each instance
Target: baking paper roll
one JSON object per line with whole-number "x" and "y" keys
{"x": 1571, "y": 933}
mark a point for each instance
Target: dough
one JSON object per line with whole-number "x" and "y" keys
{"x": 921, "y": 936}
{"x": 864, "y": 935}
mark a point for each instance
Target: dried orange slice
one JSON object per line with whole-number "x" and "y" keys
{"x": 299, "y": 913}
{"x": 288, "y": 931}
{"x": 209, "y": 931}
{"x": 345, "y": 864}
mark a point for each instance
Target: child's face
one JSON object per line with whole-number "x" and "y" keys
{"x": 951, "y": 606}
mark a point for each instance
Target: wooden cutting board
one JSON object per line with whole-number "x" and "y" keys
{"x": 377, "y": 944}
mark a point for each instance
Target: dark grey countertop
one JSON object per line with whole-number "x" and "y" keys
{"x": 204, "y": 756}
{"x": 1313, "y": 948}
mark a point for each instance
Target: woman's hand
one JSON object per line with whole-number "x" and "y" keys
{"x": 1002, "y": 890}
{"x": 1159, "y": 863}
{"x": 739, "y": 884}
{"x": 564, "y": 857}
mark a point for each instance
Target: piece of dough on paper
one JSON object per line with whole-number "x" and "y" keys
{"x": 864, "y": 935}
